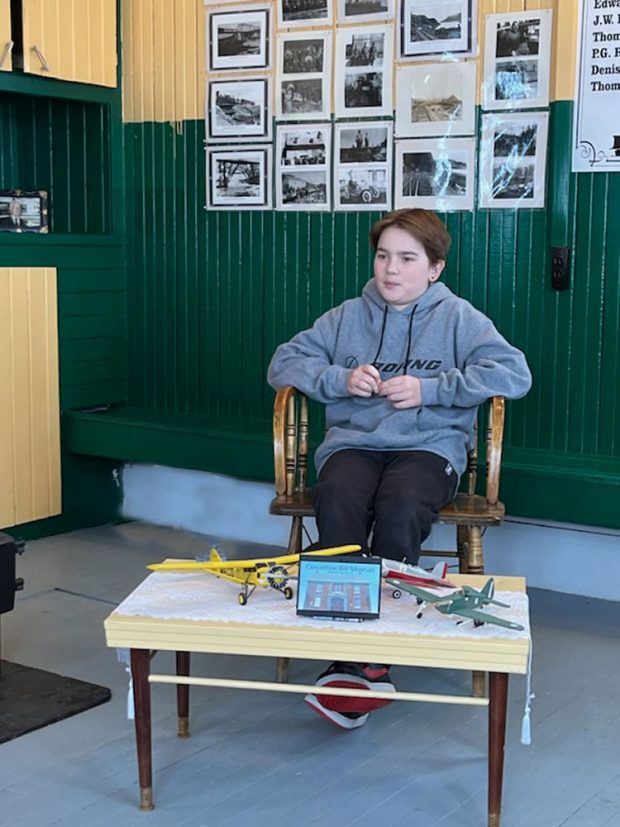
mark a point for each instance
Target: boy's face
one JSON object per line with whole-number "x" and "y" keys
{"x": 402, "y": 270}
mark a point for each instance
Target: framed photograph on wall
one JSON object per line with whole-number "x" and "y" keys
{"x": 436, "y": 99}
{"x": 363, "y": 85}
{"x": 435, "y": 174}
{"x": 303, "y": 167}
{"x": 239, "y": 177}
{"x": 364, "y": 11}
{"x": 23, "y": 211}
{"x": 239, "y": 109}
{"x": 437, "y": 27}
{"x": 513, "y": 155}
{"x": 304, "y": 76}
{"x": 517, "y": 59}
{"x": 304, "y": 13}
{"x": 239, "y": 38}
{"x": 363, "y": 166}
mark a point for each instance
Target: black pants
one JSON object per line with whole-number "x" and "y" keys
{"x": 397, "y": 494}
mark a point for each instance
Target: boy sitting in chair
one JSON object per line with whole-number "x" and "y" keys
{"x": 401, "y": 370}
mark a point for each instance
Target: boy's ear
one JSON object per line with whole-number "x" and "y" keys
{"x": 436, "y": 270}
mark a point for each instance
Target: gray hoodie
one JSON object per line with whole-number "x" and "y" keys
{"x": 454, "y": 349}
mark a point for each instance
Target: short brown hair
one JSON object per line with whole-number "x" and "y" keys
{"x": 423, "y": 225}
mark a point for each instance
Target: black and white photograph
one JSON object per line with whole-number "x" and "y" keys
{"x": 364, "y": 11}
{"x": 239, "y": 178}
{"x": 303, "y": 77}
{"x": 363, "y": 72}
{"x": 304, "y": 13}
{"x": 303, "y": 54}
{"x": 517, "y": 59}
{"x": 239, "y": 109}
{"x": 302, "y": 99}
{"x": 303, "y": 164}
{"x": 516, "y": 80}
{"x": 436, "y": 99}
{"x": 363, "y": 165}
{"x": 303, "y": 146}
{"x": 362, "y": 188}
{"x": 239, "y": 38}
{"x": 437, "y": 27}
{"x": 363, "y": 143}
{"x": 23, "y": 211}
{"x": 513, "y": 153}
{"x": 435, "y": 175}
{"x": 302, "y": 189}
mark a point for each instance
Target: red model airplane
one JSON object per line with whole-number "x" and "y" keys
{"x": 416, "y": 575}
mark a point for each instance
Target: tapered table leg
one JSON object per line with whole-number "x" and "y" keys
{"x": 183, "y": 696}
{"x": 498, "y": 696}
{"x": 140, "y": 666}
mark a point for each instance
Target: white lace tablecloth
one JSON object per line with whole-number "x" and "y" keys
{"x": 201, "y": 596}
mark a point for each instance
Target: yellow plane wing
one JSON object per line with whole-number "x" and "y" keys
{"x": 219, "y": 565}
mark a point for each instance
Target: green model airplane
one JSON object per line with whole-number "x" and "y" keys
{"x": 466, "y": 602}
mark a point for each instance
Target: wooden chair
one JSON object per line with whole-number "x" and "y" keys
{"x": 469, "y": 512}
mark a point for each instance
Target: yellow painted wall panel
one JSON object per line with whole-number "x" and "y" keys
{"x": 163, "y": 59}
{"x": 30, "y": 412}
{"x": 564, "y": 49}
{"x": 7, "y": 488}
{"x": 6, "y": 64}
{"x": 71, "y": 40}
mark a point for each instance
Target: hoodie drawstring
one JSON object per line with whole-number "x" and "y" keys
{"x": 385, "y": 312}
{"x": 409, "y": 337}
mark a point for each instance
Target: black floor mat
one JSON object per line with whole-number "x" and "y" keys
{"x": 31, "y": 699}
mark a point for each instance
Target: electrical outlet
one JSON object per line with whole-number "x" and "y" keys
{"x": 560, "y": 268}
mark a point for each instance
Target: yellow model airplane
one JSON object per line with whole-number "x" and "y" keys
{"x": 266, "y": 572}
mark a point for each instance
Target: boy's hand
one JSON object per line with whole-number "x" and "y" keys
{"x": 364, "y": 381}
{"x": 402, "y": 391}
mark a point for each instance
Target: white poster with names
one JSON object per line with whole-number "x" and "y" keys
{"x": 596, "y": 119}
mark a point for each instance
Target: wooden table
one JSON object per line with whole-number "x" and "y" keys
{"x": 268, "y": 626}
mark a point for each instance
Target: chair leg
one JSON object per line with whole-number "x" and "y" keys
{"x": 478, "y": 682}
{"x": 475, "y": 565}
{"x": 294, "y": 539}
{"x": 461, "y": 548}
{"x": 282, "y": 670}
{"x": 475, "y": 557}
{"x": 294, "y": 547}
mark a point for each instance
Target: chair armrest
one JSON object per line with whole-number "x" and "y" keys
{"x": 495, "y": 436}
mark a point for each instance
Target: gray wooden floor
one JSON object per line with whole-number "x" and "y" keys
{"x": 256, "y": 758}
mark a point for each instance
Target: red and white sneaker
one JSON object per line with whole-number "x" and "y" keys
{"x": 371, "y": 677}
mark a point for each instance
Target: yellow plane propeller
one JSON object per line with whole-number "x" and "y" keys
{"x": 266, "y": 572}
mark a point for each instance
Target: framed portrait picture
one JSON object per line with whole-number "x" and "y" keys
{"x": 364, "y": 11}
{"x": 436, "y": 99}
{"x": 238, "y": 38}
{"x": 513, "y": 154}
{"x": 304, "y": 13}
{"x": 239, "y": 109}
{"x": 303, "y": 77}
{"x": 23, "y": 211}
{"x": 517, "y": 60}
{"x": 363, "y": 166}
{"x": 437, "y": 27}
{"x": 435, "y": 174}
{"x": 363, "y": 84}
{"x": 239, "y": 177}
{"x": 303, "y": 167}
